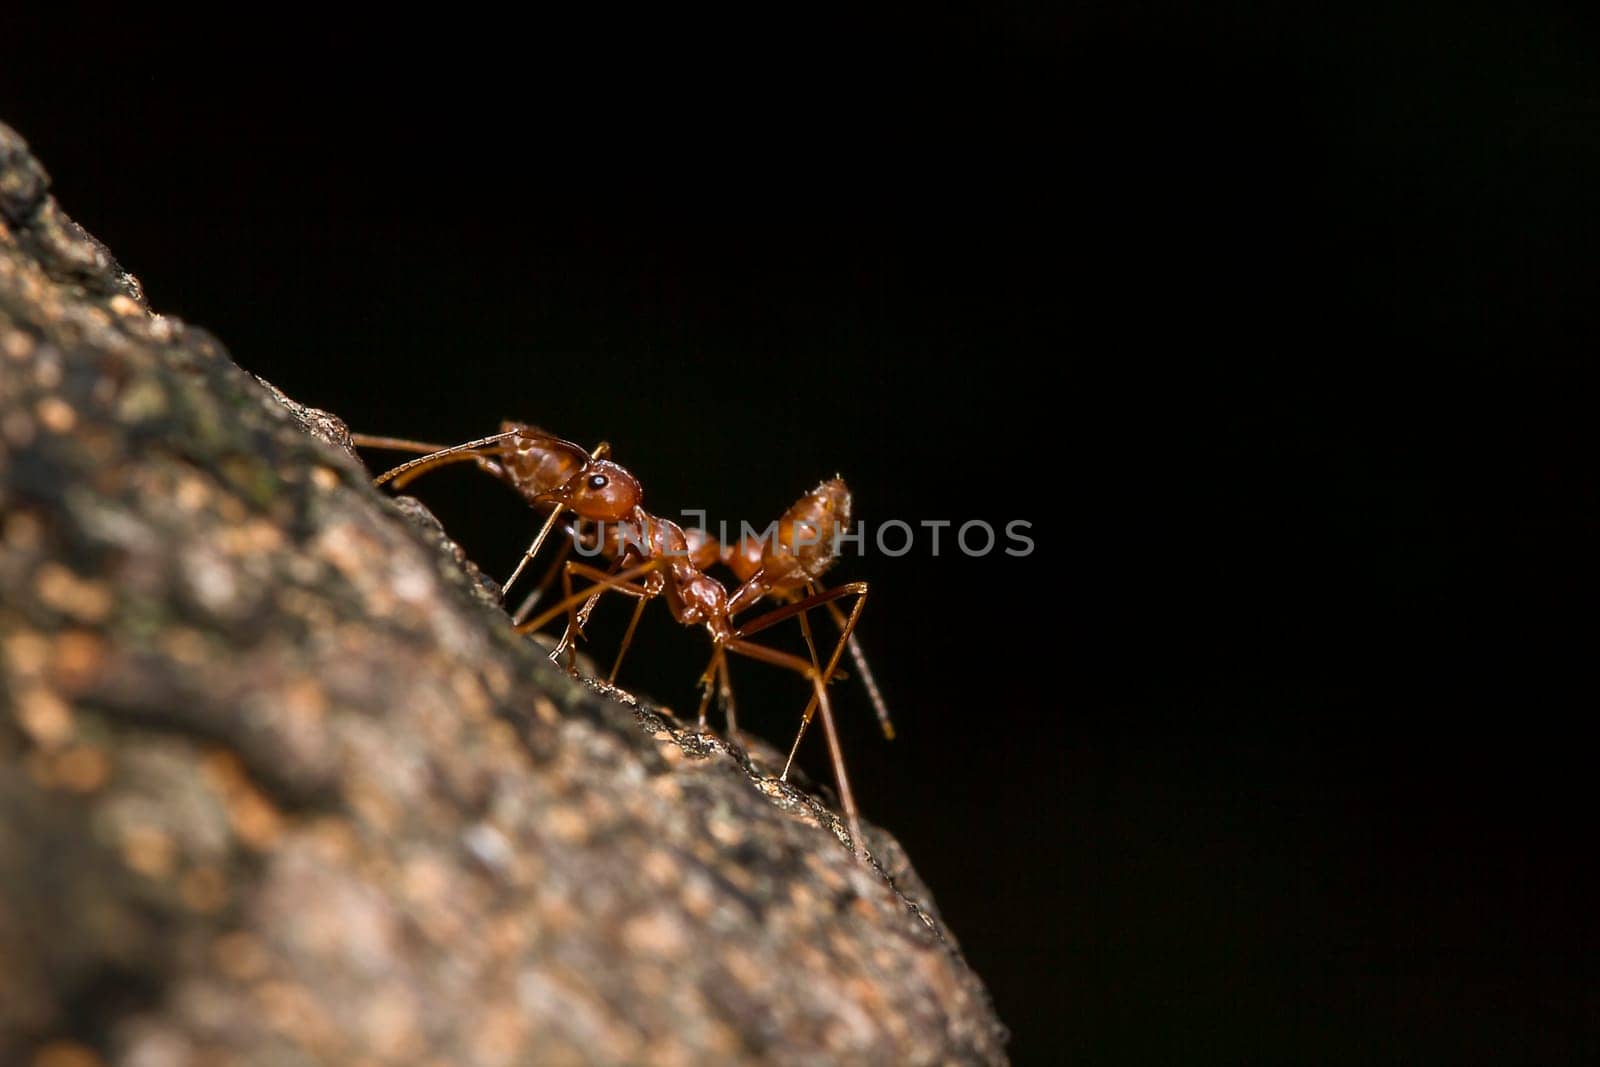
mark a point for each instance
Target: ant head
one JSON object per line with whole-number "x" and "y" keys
{"x": 600, "y": 490}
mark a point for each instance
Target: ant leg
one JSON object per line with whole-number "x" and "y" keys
{"x": 544, "y": 583}
{"x": 393, "y": 444}
{"x": 716, "y": 676}
{"x": 588, "y": 608}
{"x": 879, "y": 706}
{"x": 533, "y": 549}
{"x": 627, "y": 639}
{"x": 603, "y": 581}
{"x": 811, "y": 645}
{"x": 707, "y": 684}
{"x": 789, "y": 611}
{"x": 820, "y": 695}
{"x": 432, "y": 458}
{"x": 623, "y": 581}
{"x": 480, "y": 456}
{"x": 569, "y": 636}
{"x": 800, "y": 607}
{"x": 728, "y": 709}
{"x": 805, "y": 720}
{"x": 826, "y": 598}
{"x": 575, "y": 624}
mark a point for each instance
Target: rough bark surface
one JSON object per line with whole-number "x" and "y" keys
{"x": 278, "y": 784}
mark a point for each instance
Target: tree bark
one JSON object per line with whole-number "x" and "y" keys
{"x": 279, "y": 784}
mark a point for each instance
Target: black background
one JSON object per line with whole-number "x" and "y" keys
{"x": 1279, "y": 330}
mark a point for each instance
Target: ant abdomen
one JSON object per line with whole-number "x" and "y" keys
{"x": 807, "y": 541}
{"x": 535, "y": 462}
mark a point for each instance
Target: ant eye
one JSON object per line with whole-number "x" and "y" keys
{"x": 598, "y": 481}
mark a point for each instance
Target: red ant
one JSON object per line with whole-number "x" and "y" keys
{"x": 549, "y": 472}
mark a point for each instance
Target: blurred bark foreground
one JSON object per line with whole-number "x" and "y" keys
{"x": 278, "y": 784}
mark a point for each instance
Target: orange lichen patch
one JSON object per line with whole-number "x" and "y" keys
{"x": 498, "y": 1035}
{"x": 389, "y": 1022}
{"x": 95, "y": 315}
{"x": 76, "y": 659}
{"x": 304, "y": 605}
{"x": 654, "y": 935}
{"x": 191, "y": 492}
{"x": 502, "y": 735}
{"x": 241, "y": 956}
{"x": 82, "y": 769}
{"x": 232, "y": 510}
{"x": 44, "y": 717}
{"x": 291, "y": 1010}
{"x": 439, "y": 730}
{"x": 82, "y": 598}
{"x": 203, "y": 889}
{"x": 371, "y": 803}
{"x": 304, "y": 700}
{"x": 664, "y": 786}
{"x": 333, "y": 840}
{"x": 652, "y": 980}
{"x": 141, "y": 401}
{"x": 559, "y": 914}
{"x": 66, "y": 1054}
{"x": 253, "y": 538}
{"x": 440, "y": 925}
{"x": 507, "y": 935}
{"x": 125, "y": 306}
{"x": 426, "y": 881}
{"x": 672, "y": 755}
{"x": 498, "y": 679}
{"x": 566, "y": 824}
{"x": 17, "y": 345}
{"x": 470, "y": 697}
{"x": 23, "y": 531}
{"x": 347, "y": 549}
{"x": 27, "y": 653}
{"x": 256, "y": 821}
{"x": 725, "y": 831}
{"x": 660, "y": 868}
{"x": 546, "y": 710}
{"x": 252, "y": 816}
{"x": 148, "y": 850}
{"x": 744, "y": 969}
{"x": 698, "y": 899}
{"x": 325, "y": 478}
{"x": 187, "y": 647}
{"x": 56, "y": 415}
